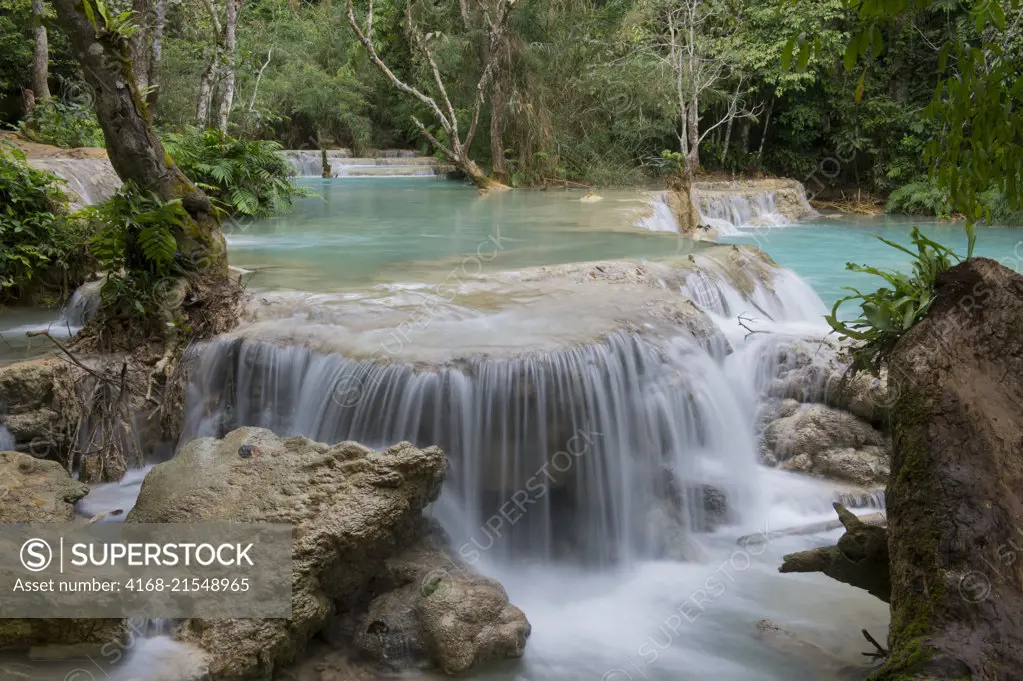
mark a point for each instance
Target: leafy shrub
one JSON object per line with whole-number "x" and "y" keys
{"x": 137, "y": 247}
{"x": 888, "y": 313}
{"x": 62, "y": 125}
{"x": 243, "y": 177}
{"x": 1002, "y": 212}
{"x": 920, "y": 198}
{"x": 40, "y": 246}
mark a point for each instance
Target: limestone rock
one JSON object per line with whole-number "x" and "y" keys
{"x": 35, "y": 396}
{"x": 955, "y": 498}
{"x": 469, "y": 621}
{"x": 36, "y": 491}
{"x": 816, "y": 370}
{"x": 350, "y": 506}
{"x": 442, "y": 613}
{"x": 819, "y": 440}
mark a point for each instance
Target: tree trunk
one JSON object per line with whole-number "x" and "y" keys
{"x": 230, "y": 50}
{"x": 763, "y": 134}
{"x": 496, "y": 134}
{"x": 860, "y": 558}
{"x": 206, "y": 83}
{"x": 465, "y": 164}
{"x": 141, "y": 52}
{"x": 728, "y": 139}
{"x": 156, "y": 53}
{"x": 135, "y": 151}
{"x": 41, "y": 62}
{"x": 693, "y": 131}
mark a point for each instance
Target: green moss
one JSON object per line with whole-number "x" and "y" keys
{"x": 912, "y": 618}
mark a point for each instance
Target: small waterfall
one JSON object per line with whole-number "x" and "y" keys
{"x": 6, "y": 440}
{"x": 92, "y": 179}
{"x": 661, "y": 217}
{"x": 387, "y": 163}
{"x": 729, "y": 212}
{"x": 596, "y": 453}
{"x": 83, "y": 305}
{"x": 730, "y": 207}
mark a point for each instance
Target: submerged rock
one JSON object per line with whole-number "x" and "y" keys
{"x": 955, "y": 499}
{"x": 827, "y": 442}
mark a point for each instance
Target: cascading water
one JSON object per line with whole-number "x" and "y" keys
{"x": 83, "y": 305}
{"x": 597, "y": 446}
{"x": 661, "y": 218}
{"x": 588, "y": 444}
{"x": 6, "y": 440}
{"x": 729, "y": 212}
{"x": 730, "y": 208}
{"x": 93, "y": 179}
{"x": 647, "y": 422}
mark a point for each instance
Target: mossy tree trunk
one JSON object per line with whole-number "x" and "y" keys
{"x": 135, "y": 151}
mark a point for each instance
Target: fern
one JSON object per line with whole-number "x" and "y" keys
{"x": 137, "y": 245}
{"x": 157, "y": 244}
{"x": 243, "y": 177}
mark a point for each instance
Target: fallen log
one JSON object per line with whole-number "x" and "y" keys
{"x": 860, "y": 558}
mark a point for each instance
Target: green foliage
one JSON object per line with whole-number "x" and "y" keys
{"x": 977, "y": 102}
{"x": 243, "y": 177}
{"x": 62, "y": 125}
{"x": 136, "y": 245}
{"x": 889, "y": 312}
{"x": 920, "y": 198}
{"x": 40, "y": 246}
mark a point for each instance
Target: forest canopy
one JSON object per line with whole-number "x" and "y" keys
{"x": 831, "y": 92}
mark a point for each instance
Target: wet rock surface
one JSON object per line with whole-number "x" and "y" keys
{"x": 830, "y": 443}
{"x": 37, "y": 398}
{"x": 441, "y": 613}
{"x": 37, "y": 491}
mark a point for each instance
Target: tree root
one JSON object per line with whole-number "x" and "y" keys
{"x": 860, "y": 558}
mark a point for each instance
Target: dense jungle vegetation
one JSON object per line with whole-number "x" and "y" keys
{"x": 590, "y": 91}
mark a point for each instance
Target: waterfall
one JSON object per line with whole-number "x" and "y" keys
{"x": 731, "y": 207}
{"x": 92, "y": 179}
{"x": 386, "y": 163}
{"x": 6, "y": 440}
{"x": 83, "y": 305}
{"x": 729, "y": 212}
{"x": 661, "y": 218}
{"x": 596, "y": 451}
{"x": 567, "y": 453}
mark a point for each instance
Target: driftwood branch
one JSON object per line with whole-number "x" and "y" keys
{"x": 860, "y": 558}
{"x": 880, "y": 653}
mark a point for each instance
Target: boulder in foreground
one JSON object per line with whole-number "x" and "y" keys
{"x": 353, "y": 510}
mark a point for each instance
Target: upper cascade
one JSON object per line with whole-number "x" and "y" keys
{"x": 729, "y": 207}
{"x": 382, "y": 163}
